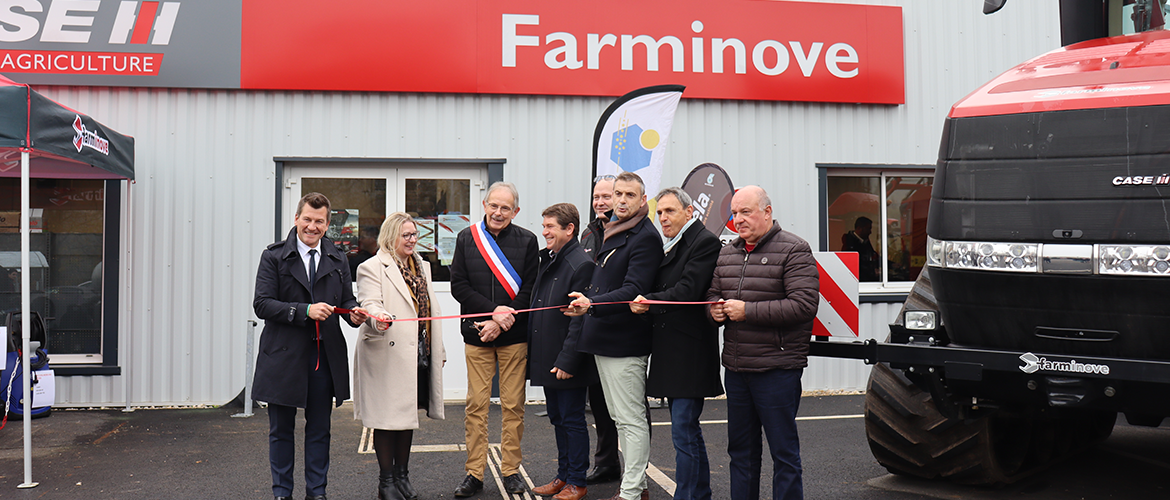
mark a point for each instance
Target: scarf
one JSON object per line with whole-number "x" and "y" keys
{"x": 416, "y": 281}
{"x": 678, "y": 237}
{"x": 620, "y": 226}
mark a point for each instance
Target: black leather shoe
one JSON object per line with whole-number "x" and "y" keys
{"x": 282, "y": 498}
{"x": 603, "y": 474}
{"x": 468, "y": 487}
{"x": 403, "y": 483}
{"x": 318, "y": 497}
{"x": 388, "y": 486}
{"x": 515, "y": 484}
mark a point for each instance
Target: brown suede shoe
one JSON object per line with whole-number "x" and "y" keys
{"x": 552, "y": 488}
{"x": 571, "y": 492}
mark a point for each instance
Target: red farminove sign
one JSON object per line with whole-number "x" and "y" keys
{"x": 734, "y": 49}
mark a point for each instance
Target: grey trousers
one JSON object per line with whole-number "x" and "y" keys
{"x": 624, "y": 383}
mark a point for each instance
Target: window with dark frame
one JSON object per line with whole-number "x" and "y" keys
{"x": 66, "y": 265}
{"x": 881, "y": 214}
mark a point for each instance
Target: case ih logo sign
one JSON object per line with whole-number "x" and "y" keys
{"x": 734, "y": 49}
{"x": 73, "y": 22}
{"x": 84, "y": 138}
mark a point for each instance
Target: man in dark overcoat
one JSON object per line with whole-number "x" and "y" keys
{"x": 303, "y": 361}
{"x": 684, "y": 364}
{"x": 553, "y": 359}
{"x": 627, "y": 261}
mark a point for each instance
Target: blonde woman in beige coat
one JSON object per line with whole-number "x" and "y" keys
{"x": 398, "y": 368}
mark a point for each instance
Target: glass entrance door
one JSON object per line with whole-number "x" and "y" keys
{"x": 442, "y": 198}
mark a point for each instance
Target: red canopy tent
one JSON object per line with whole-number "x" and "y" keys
{"x": 56, "y": 142}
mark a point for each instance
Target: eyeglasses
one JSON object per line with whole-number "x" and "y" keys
{"x": 492, "y": 207}
{"x": 606, "y": 177}
{"x": 410, "y": 236}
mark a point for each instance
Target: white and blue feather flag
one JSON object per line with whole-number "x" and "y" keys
{"x": 633, "y": 132}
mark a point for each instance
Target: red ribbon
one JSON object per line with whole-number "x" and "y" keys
{"x": 339, "y": 310}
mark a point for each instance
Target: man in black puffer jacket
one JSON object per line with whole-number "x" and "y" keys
{"x": 493, "y": 272}
{"x": 768, "y": 280}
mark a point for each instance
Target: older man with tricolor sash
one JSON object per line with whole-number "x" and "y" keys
{"x": 493, "y": 272}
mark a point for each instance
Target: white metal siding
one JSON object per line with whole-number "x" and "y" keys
{"x": 202, "y": 206}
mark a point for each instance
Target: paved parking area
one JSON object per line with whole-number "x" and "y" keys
{"x": 205, "y": 453}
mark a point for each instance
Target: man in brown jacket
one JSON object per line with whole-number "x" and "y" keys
{"x": 767, "y": 279}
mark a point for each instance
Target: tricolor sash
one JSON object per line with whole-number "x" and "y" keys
{"x": 495, "y": 259}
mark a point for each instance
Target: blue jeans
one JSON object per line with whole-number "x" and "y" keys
{"x": 692, "y": 472}
{"x": 768, "y": 400}
{"x": 566, "y": 410}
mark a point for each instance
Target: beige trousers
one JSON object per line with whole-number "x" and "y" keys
{"x": 481, "y": 367}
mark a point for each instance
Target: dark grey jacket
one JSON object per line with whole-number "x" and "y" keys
{"x": 282, "y": 300}
{"x": 552, "y": 336}
{"x": 779, "y": 282}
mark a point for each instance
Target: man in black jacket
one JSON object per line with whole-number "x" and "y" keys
{"x": 303, "y": 361}
{"x": 493, "y": 272}
{"x": 685, "y": 364}
{"x": 553, "y": 359}
{"x": 606, "y": 463}
{"x": 620, "y": 340}
{"x": 593, "y": 233}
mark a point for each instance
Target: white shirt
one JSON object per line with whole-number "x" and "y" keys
{"x": 303, "y": 249}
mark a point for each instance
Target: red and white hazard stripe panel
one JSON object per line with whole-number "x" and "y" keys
{"x": 837, "y": 314}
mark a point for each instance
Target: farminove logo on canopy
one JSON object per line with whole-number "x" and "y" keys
{"x": 86, "y": 138}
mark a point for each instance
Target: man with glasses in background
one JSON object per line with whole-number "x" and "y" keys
{"x": 493, "y": 272}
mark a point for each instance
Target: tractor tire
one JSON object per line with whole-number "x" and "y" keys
{"x": 909, "y": 436}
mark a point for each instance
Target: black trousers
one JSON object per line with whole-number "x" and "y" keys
{"x": 282, "y": 423}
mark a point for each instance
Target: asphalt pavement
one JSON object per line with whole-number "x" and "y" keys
{"x": 208, "y": 454}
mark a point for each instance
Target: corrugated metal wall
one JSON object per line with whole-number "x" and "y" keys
{"x": 202, "y": 207}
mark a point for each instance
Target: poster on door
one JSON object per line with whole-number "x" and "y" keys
{"x": 447, "y": 229}
{"x": 343, "y": 230}
{"x": 426, "y": 234}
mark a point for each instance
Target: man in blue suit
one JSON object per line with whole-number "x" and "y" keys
{"x": 303, "y": 361}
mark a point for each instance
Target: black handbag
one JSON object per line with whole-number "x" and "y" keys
{"x": 424, "y": 357}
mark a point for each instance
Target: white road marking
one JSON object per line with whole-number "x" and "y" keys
{"x": 495, "y": 462}
{"x": 661, "y": 478}
{"x": 431, "y": 448}
{"x": 366, "y": 445}
{"x": 718, "y": 422}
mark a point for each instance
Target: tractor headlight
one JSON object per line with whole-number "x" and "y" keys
{"x": 1016, "y": 257}
{"x": 920, "y": 320}
{"x": 1133, "y": 259}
